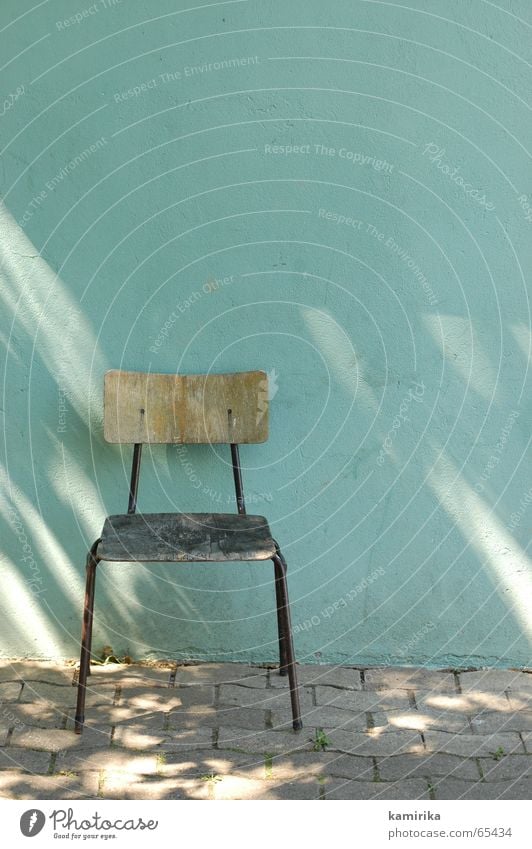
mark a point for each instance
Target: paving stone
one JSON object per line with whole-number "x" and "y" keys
{"x": 128, "y": 786}
{"x": 186, "y": 739}
{"x": 24, "y": 759}
{"x": 47, "y": 739}
{"x": 421, "y": 720}
{"x": 344, "y": 790}
{"x": 495, "y": 680}
{"x": 33, "y": 715}
{"x": 20, "y": 785}
{"x": 10, "y": 691}
{"x": 287, "y": 791}
{"x": 12, "y": 670}
{"x": 332, "y": 676}
{"x": 374, "y": 744}
{"x": 470, "y": 703}
{"x": 510, "y": 766}
{"x": 139, "y": 736}
{"x": 235, "y": 717}
{"x": 49, "y": 672}
{"x": 195, "y": 764}
{"x": 164, "y": 698}
{"x": 302, "y": 790}
{"x": 399, "y": 767}
{"x": 241, "y": 788}
{"x": 324, "y": 716}
{"x": 232, "y": 763}
{"x": 520, "y": 699}
{"x": 238, "y": 787}
{"x": 409, "y": 679}
{"x": 455, "y": 789}
{"x": 527, "y": 740}
{"x": 118, "y": 760}
{"x": 103, "y": 717}
{"x": 488, "y": 723}
{"x": 411, "y": 789}
{"x": 149, "y": 722}
{"x": 360, "y": 702}
{"x": 348, "y": 790}
{"x": 351, "y": 766}
{"x": 226, "y": 673}
{"x": 191, "y": 717}
{"x": 34, "y": 670}
{"x": 473, "y": 745}
{"x": 65, "y": 696}
{"x": 129, "y": 681}
{"x": 232, "y": 694}
{"x": 264, "y": 741}
{"x": 4, "y": 731}
{"x": 130, "y": 675}
{"x": 92, "y": 737}
{"x": 300, "y": 764}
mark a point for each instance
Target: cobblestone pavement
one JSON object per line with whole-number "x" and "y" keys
{"x": 223, "y": 731}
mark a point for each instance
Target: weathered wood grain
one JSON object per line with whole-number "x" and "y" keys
{"x": 185, "y": 537}
{"x": 170, "y": 408}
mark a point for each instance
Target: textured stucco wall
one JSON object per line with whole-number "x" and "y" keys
{"x": 339, "y": 193}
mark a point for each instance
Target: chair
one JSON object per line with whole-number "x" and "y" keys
{"x": 164, "y": 408}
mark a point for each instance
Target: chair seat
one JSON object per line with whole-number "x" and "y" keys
{"x": 185, "y": 537}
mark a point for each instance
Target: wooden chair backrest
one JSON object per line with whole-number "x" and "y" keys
{"x": 192, "y": 408}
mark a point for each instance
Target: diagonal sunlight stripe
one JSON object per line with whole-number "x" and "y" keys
{"x": 478, "y": 524}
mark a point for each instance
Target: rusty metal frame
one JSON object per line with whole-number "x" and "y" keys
{"x": 287, "y": 662}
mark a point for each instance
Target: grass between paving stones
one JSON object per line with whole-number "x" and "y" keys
{"x": 321, "y": 741}
{"x": 211, "y": 779}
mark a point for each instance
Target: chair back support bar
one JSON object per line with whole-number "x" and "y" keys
{"x": 135, "y": 472}
{"x": 237, "y": 475}
{"x": 169, "y": 408}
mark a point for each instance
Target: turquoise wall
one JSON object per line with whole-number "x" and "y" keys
{"x": 338, "y": 193}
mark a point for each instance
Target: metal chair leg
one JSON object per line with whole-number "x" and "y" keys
{"x": 280, "y": 580}
{"x": 86, "y": 636}
{"x": 280, "y": 624}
